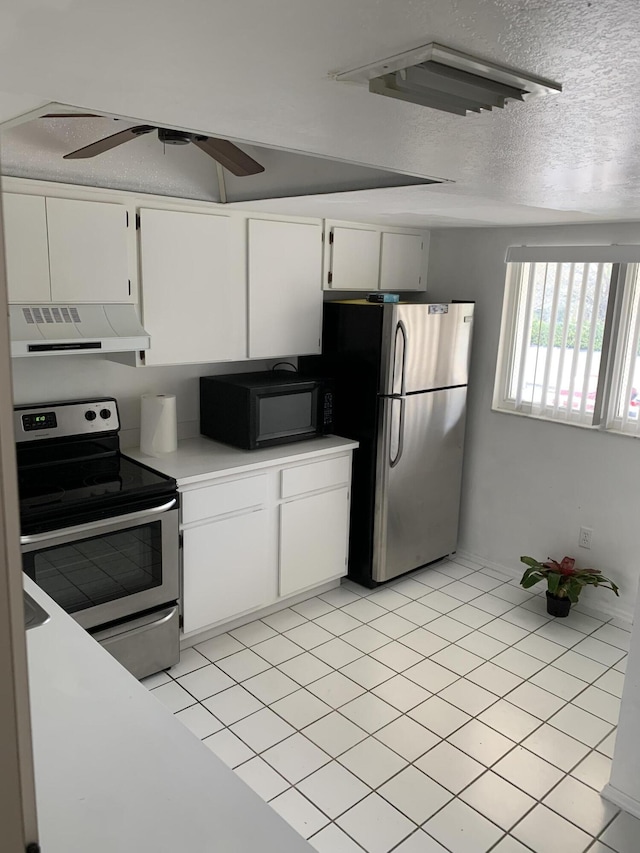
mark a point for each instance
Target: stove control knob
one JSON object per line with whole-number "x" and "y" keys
{"x": 105, "y": 413}
{"x": 90, "y": 415}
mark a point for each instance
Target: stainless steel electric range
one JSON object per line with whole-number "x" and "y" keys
{"x": 99, "y": 531}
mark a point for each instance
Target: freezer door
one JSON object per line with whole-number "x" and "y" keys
{"x": 425, "y": 346}
{"x": 418, "y": 487}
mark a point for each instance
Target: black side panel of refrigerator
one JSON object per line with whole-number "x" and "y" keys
{"x": 351, "y": 340}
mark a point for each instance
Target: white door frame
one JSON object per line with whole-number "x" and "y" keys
{"x": 18, "y": 820}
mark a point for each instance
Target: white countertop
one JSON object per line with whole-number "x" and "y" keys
{"x": 201, "y": 458}
{"x": 115, "y": 771}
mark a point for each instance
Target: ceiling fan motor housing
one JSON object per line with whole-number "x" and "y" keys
{"x": 173, "y": 137}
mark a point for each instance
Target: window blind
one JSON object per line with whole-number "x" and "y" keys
{"x": 557, "y": 337}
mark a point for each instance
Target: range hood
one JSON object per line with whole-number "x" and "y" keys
{"x": 75, "y": 329}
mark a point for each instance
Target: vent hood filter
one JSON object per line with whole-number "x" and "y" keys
{"x": 445, "y": 79}
{"x": 75, "y": 329}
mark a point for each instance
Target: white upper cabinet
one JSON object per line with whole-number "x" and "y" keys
{"x": 285, "y": 289}
{"x": 354, "y": 258}
{"x": 373, "y": 257}
{"x": 401, "y": 261}
{"x": 26, "y": 248}
{"x": 193, "y": 293}
{"x": 215, "y": 285}
{"x": 89, "y": 251}
{"x": 68, "y": 250}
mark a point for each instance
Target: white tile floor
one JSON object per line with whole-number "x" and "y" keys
{"x": 444, "y": 713}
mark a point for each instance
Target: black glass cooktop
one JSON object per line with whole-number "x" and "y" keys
{"x": 71, "y": 492}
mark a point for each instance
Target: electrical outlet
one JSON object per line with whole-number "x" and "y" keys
{"x": 584, "y": 539}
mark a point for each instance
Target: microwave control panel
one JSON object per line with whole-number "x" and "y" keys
{"x": 328, "y": 409}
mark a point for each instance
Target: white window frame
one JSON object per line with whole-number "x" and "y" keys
{"x": 620, "y": 339}
{"x": 626, "y": 336}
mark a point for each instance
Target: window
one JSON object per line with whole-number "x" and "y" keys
{"x": 570, "y": 338}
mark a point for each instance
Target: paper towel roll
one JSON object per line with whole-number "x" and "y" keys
{"x": 158, "y": 424}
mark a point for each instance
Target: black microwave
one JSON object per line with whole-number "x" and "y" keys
{"x": 251, "y": 410}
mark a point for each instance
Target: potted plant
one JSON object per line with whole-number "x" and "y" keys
{"x": 564, "y": 581}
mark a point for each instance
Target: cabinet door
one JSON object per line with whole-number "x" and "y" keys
{"x": 401, "y": 262}
{"x": 285, "y": 292}
{"x": 354, "y": 259}
{"x": 89, "y": 251}
{"x": 226, "y": 568}
{"x": 313, "y": 540}
{"x": 26, "y": 248}
{"x": 193, "y": 305}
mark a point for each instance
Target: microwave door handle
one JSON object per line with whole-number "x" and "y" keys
{"x": 90, "y": 526}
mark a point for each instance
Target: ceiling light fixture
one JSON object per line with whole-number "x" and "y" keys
{"x": 445, "y": 79}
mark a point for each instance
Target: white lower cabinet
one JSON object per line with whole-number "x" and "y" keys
{"x": 246, "y": 546}
{"x": 224, "y": 569}
{"x": 313, "y": 540}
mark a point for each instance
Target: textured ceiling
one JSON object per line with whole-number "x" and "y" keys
{"x": 259, "y": 72}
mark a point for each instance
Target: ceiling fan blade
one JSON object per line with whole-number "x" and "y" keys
{"x": 109, "y": 142}
{"x": 72, "y": 115}
{"x": 228, "y": 155}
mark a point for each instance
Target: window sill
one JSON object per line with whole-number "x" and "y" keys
{"x": 594, "y": 428}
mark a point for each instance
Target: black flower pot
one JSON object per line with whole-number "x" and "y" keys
{"x": 557, "y": 606}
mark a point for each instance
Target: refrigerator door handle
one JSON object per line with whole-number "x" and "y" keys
{"x": 399, "y": 359}
{"x": 396, "y": 438}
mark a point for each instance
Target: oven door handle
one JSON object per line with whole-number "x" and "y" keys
{"x": 95, "y": 525}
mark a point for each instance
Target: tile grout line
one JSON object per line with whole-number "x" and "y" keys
{"x": 488, "y": 768}
{"x": 459, "y": 677}
{"x": 404, "y": 714}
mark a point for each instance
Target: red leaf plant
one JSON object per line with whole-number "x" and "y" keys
{"x": 564, "y": 580}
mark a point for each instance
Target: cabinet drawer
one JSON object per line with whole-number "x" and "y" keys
{"x": 315, "y": 475}
{"x": 222, "y": 498}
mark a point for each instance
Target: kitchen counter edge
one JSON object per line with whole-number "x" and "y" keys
{"x": 200, "y": 459}
{"x": 115, "y": 770}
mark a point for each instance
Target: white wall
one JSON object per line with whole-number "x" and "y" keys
{"x": 623, "y": 788}
{"x": 69, "y": 377}
{"x": 529, "y": 485}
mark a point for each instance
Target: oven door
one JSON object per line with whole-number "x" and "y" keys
{"x": 108, "y": 569}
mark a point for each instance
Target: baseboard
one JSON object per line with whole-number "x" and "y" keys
{"x": 618, "y": 798}
{"x": 605, "y": 610}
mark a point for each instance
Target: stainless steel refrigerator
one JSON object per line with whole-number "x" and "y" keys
{"x": 400, "y": 374}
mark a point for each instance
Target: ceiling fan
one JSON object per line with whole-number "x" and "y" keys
{"x": 221, "y": 150}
